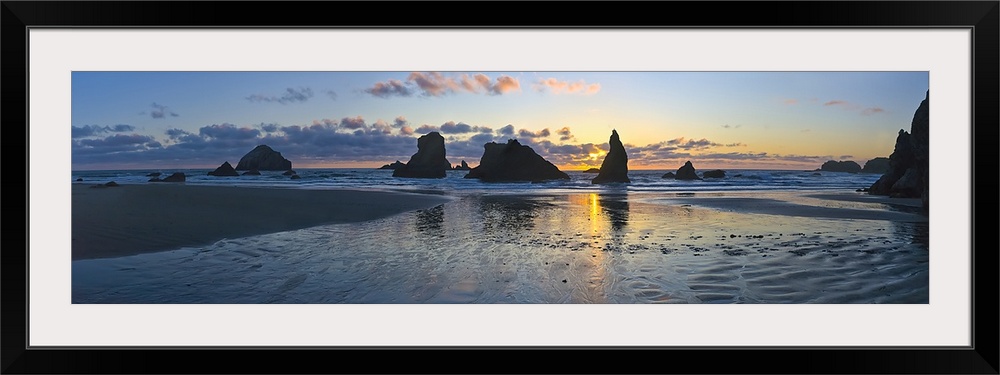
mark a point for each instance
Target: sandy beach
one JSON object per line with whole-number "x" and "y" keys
{"x": 134, "y": 219}
{"x": 250, "y": 245}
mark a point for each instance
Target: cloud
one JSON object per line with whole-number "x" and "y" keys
{"x": 565, "y": 87}
{"x": 353, "y": 123}
{"x": 688, "y": 144}
{"x": 504, "y": 85}
{"x": 435, "y": 84}
{"x": 93, "y": 130}
{"x": 228, "y": 131}
{"x": 868, "y": 111}
{"x": 291, "y": 95}
{"x": 451, "y": 127}
{"x": 791, "y": 101}
{"x": 389, "y": 88}
{"x": 117, "y": 141}
{"x": 332, "y": 94}
{"x": 406, "y": 129}
{"x": 161, "y": 111}
{"x": 400, "y": 122}
{"x": 506, "y": 130}
{"x": 424, "y": 129}
{"x": 565, "y": 135}
{"x": 269, "y": 128}
{"x": 872, "y": 111}
{"x": 382, "y": 127}
{"x": 727, "y": 126}
{"x": 530, "y": 134}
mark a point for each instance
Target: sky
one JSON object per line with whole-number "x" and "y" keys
{"x": 723, "y": 120}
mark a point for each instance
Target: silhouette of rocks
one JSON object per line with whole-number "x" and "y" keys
{"x": 154, "y": 179}
{"x": 669, "y": 175}
{"x": 176, "y": 177}
{"x": 841, "y": 166}
{"x": 263, "y": 158}
{"x": 429, "y": 161}
{"x": 106, "y": 185}
{"x": 288, "y": 173}
{"x": 615, "y": 165}
{"x": 79, "y": 179}
{"x": 514, "y": 162}
{"x": 398, "y": 164}
{"x": 907, "y": 175}
{"x": 876, "y": 165}
{"x": 718, "y": 173}
{"x": 687, "y": 172}
{"x": 295, "y": 177}
{"x": 252, "y": 172}
{"x": 224, "y": 170}
{"x": 593, "y": 170}
{"x": 463, "y": 167}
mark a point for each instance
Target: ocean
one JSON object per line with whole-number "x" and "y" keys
{"x": 382, "y": 179}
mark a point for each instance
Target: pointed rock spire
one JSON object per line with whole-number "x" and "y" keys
{"x": 615, "y": 165}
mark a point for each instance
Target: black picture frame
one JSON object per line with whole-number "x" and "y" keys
{"x": 981, "y": 17}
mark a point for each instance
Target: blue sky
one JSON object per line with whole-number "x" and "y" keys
{"x": 765, "y": 120}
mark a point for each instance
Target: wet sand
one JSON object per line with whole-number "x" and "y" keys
{"x": 586, "y": 248}
{"x": 134, "y": 219}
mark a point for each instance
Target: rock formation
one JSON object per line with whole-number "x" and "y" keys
{"x": 288, "y": 173}
{"x": 841, "y": 166}
{"x": 593, "y": 170}
{"x": 908, "y": 164}
{"x": 514, "y": 162}
{"x": 398, "y": 164}
{"x": 877, "y": 165}
{"x": 263, "y": 158}
{"x": 615, "y": 165}
{"x": 669, "y": 175}
{"x": 687, "y": 172}
{"x": 463, "y": 167}
{"x": 252, "y": 172}
{"x": 224, "y": 170}
{"x": 429, "y": 161}
{"x": 176, "y": 177}
{"x": 718, "y": 173}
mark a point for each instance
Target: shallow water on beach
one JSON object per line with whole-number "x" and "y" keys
{"x": 614, "y": 247}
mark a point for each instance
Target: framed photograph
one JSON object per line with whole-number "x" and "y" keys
{"x": 219, "y": 186}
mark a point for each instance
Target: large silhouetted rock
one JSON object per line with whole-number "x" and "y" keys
{"x": 429, "y": 161}
{"x": 841, "y": 166}
{"x": 224, "y": 170}
{"x": 263, "y": 158}
{"x": 463, "y": 167}
{"x": 615, "y": 165}
{"x": 687, "y": 172}
{"x": 876, "y": 165}
{"x": 907, "y": 175}
{"x": 514, "y": 162}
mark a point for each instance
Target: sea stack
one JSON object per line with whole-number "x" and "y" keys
{"x": 514, "y": 162}
{"x": 907, "y": 176}
{"x": 841, "y": 166}
{"x": 429, "y": 161}
{"x": 615, "y": 165}
{"x": 686, "y": 172}
{"x": 263, "y": 158}
{"x": 224, "y": 170}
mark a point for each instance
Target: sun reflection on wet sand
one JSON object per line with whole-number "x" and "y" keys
{"x": 604, "y": 247}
